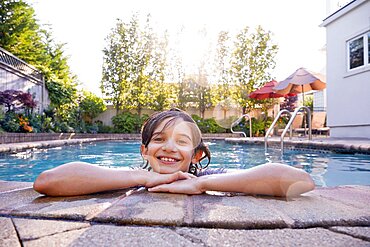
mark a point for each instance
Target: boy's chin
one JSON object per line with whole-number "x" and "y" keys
{"x": 167, "y": 170}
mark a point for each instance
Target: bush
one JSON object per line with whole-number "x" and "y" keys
{"x": 128, "y": 122}
{"x": 208, "y": 125}
{"x": 10, "y": 122}
{"x": 259, "y": 126}
{"x": 103, "y": 128}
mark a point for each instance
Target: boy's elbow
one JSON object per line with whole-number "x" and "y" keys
{"x": 43, "y": 183}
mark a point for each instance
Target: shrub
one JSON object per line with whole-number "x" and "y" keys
{"x": 208, "y": 125}
{"x": 10, "y": 123}
{"x": 128, "y": 122}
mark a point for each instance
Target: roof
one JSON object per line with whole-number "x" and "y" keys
{"x": 342, "y": 11}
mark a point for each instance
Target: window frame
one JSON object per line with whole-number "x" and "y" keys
{"x": 366, "y": 53}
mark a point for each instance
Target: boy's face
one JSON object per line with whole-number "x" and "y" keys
{"x": 171, "y": 149}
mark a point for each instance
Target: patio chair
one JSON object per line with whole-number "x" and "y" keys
{"x": 296, "y": 125}
{"x": 318, "y": 124}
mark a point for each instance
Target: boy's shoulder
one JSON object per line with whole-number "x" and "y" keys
{"x": 210, "y": 171}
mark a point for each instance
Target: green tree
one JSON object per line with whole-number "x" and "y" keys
{"x": 21, "y": 35}
{"x": 252, "y": 60}
{"x": 221, "y": 92}
{"x": 134, "y": 62}
{"x": 19, "y": 31}
{"x": 91, "y": 106}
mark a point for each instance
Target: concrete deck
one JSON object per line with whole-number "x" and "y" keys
{"x": 324, "y": 217}
{"x": 338, "y": 216}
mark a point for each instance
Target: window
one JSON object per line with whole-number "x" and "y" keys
{"x": 368, "y": 47}
{"x": 358, "y": 48}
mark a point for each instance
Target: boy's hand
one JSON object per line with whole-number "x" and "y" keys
{"x": 187, "y": 186}
{"x": 155, "y": 179}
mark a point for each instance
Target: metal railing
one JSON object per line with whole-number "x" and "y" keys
{"x": 267, "y": 135}
{"x": 238, "y": 121}
{"x": 308, "y": 117}
{"x": 289, "y": 125}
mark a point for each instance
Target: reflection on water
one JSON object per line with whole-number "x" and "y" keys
{"x": 326, "y": 169}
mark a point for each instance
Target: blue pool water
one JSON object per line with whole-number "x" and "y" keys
{"x": 327, "y": 169}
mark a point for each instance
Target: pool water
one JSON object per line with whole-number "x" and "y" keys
{"x": 326, "y": 169}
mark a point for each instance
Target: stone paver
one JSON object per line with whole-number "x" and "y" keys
{"x": 358, "y": 232}
{"x": 6, "y": 186}
{"x": 29, "y": 229}
{"x": 337, "y": 216}
{"x": 29, "y": 203}
{"x": 233, "y": 212}
{"x": 147, "y": 208}
{"x": 279, "y": 237}
{"x": 109, "y": 235}
{"x": 311, "y": 211}
{"x": 8, "y": 235}
{"x": 352, "y": 195}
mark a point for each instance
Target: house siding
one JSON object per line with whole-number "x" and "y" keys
{"x": 348, "y": 101}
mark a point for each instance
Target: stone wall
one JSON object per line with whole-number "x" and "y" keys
{"x": 39, "y": 137}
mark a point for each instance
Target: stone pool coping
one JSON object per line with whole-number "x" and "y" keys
{"x": 339, "y": 145}
{"x": 338, "y": 216}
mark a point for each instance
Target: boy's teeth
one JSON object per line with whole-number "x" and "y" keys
{"x": 168, "y": 159}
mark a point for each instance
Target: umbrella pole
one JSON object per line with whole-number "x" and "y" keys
{"x": 304, "y": 115}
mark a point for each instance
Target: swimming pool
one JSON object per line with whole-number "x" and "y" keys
{"x": 327, "y": 169}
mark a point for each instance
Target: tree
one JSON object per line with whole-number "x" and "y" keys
{"x": 91, "y": 106}
{"x": 252, "y": 60}
{"x": 19, "y": 31}
{"x": 21, "y": 35}
{"x": 289, "y": 103}
{"x": 15, "y": 100}
{"x": 221, "y": 93}
{"x": 134, "y": 62}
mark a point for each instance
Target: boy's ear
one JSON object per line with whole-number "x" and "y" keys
{"x": 197, "y": 156}
{"x": 143, "y": 151}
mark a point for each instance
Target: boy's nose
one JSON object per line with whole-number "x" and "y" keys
{"x": 170, "y": 145}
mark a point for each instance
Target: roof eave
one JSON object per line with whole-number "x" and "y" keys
{"x": 342, "y": 11}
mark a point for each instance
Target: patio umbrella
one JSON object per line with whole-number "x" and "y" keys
{"x": 266, "y": 92}
{"x": 301, "y": 81}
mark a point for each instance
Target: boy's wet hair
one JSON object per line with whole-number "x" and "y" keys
{"x": 156, "y": 119}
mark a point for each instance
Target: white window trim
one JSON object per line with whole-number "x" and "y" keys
{"x": 366, "y": 56}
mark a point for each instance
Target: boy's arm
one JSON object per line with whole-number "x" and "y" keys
{"x": 268, "y": 179}
{"x": 79, "y": 178}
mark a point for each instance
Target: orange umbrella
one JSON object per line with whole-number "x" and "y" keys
{"x": 302, "y": 80}
{"x": 267, "y": 92}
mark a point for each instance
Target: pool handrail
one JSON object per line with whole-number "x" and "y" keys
{"x": 273, "y": 125}
{"x": 296, "y": 111}
{"x": 238, "y": 121}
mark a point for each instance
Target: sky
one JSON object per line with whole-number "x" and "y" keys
{"x": 83, "y": 26}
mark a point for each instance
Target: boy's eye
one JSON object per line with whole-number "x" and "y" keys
{"x": 182, "y": 142}
{"x": 157, "y": 139}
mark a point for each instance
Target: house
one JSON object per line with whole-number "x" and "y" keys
{"x": 348, "y": 70}
{"x": 16, "y": 74}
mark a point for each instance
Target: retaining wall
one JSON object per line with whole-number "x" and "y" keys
{"x": 34, "y": 137}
